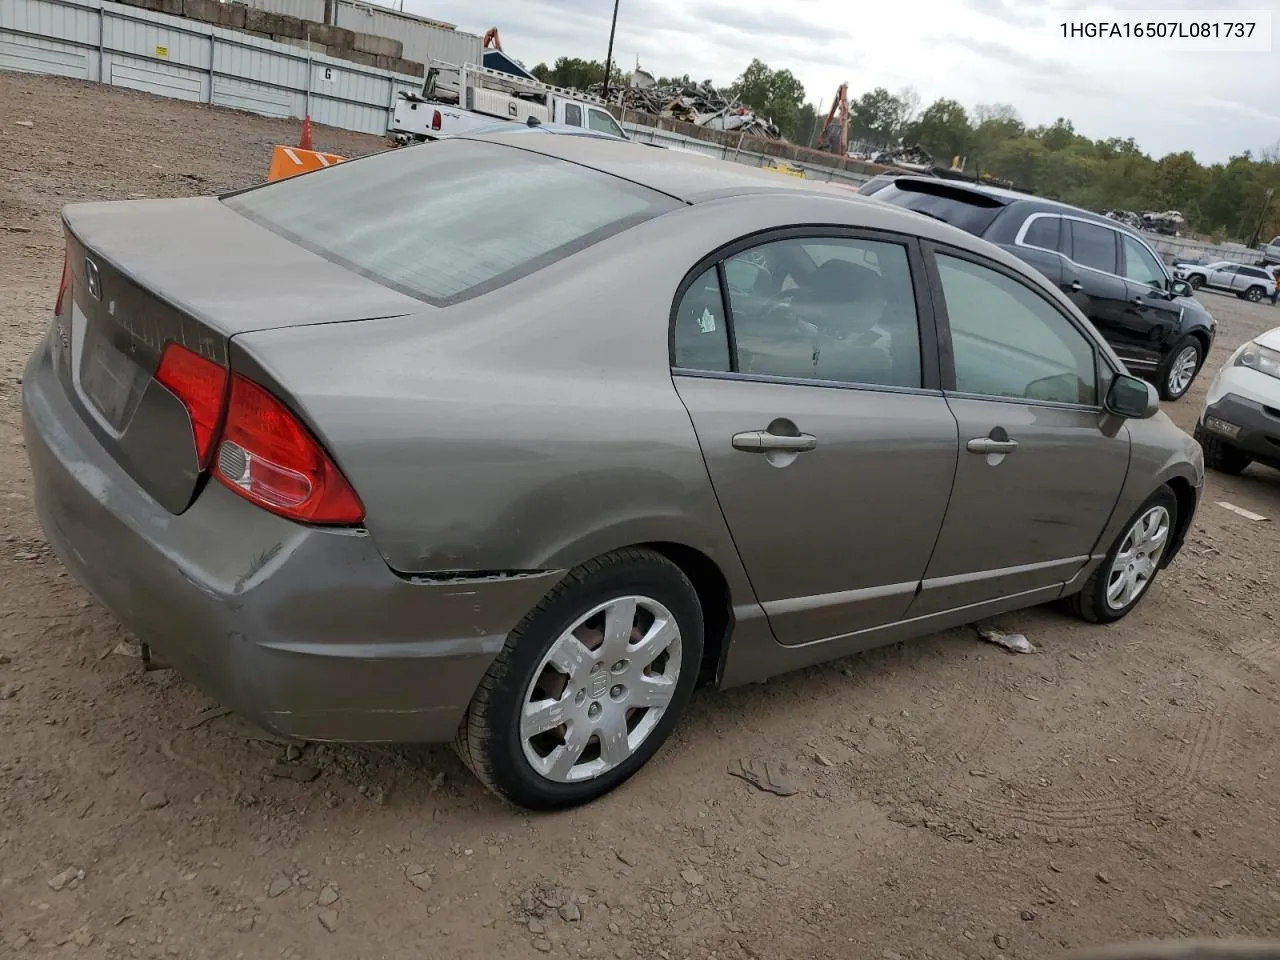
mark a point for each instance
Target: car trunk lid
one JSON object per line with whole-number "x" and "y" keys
{"x": 146, "y": 274}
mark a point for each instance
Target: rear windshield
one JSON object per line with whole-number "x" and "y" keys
{"x": 971, "y": 212}
{"x": 449, "y": 220}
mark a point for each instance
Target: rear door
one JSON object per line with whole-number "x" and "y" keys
{"x": 1036, "y": 480}
{"x": 808, "y": 365}
{"x": 1107, "y": 302}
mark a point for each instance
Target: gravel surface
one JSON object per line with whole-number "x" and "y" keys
{"x": 953, "y": 800}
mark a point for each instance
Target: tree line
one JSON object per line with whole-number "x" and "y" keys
{"x": 1225, "y": 201}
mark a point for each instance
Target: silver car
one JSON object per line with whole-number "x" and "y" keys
{"x": 514, "y": 440}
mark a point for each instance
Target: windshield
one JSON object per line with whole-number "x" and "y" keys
{"x": 449, "y": 220}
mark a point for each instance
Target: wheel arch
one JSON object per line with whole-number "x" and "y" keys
{"x": 714, "y": 596}
{"x": 1187, "y": 498}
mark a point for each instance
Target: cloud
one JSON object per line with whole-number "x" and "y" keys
{"x": 975, "y": 51}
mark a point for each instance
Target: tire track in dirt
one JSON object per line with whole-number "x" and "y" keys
{"x": 1158, "y": 792}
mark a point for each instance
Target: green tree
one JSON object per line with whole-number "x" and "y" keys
{"x": 577, "y": 74}
{"x": 774, "y": 94}
{"x": 876, "y": 116}
{"x": 943, "y": 129}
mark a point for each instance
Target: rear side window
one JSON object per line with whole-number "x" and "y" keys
{"x": 450, "y": 220}
{"x": 1043, "y": 232}
{"x": 1093, "y": 246}
{"x": 971, "y": 212}
{"x": 573, "y": 114}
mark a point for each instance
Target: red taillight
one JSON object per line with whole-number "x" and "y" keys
{"x": 435, "y": 120}
{"x": 271, "y": 459}
{"x": 63, "y": 286}
{"x": 201, "y": 385}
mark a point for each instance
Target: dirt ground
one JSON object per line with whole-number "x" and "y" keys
{"x": 957, "y": 801}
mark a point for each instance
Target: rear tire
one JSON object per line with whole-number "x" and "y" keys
{"x": 1180, "y": 368}
{"x": 591, "y": 687}
{"x": 1220, "y": 455}
{"x": 1133, "y": 573}
{"x": 1254, "y": 294}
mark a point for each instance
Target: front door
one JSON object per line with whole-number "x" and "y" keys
{"x": 1156, "y": 312}
{"x": 830, "y": 447}
{"x": 1037, "y": 479}
{"x": 1222, "y": 276}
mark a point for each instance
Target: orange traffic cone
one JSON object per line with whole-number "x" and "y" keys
{"x": 304, "y": 141}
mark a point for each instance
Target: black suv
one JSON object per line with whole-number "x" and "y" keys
{"x": 1150, "y": 319}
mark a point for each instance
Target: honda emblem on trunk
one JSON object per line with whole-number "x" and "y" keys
{"x": 93, "y": 279}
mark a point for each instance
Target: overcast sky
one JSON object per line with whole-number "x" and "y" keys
{"x": 974, "y": 51}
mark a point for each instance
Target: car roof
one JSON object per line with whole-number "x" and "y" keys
{"x": 563, "y": 129}
{"x": 686, "y": 176}
{"x": 694, "y": 178}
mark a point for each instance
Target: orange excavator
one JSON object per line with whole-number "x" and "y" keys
{"x": 835, "y": 136}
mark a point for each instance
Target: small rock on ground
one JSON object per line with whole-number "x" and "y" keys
{"x": 154, "y": 800}
{"x": 328, "y": 896}
{"x": 570, "y": 913}
{"x": 67, "y": 878}
{"x": 328, "y": 919}
{"x": 278, "y": 885}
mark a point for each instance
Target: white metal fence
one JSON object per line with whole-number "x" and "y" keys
{"x": 172, "y": 56}
{"x": 190, "y": 60}
{"x": 422, "y": 39}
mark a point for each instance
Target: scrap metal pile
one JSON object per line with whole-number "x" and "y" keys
{"x": 1168, "y": 222}
{"x": 700, "y": 104}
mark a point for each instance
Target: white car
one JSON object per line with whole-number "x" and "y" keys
{"x": 1248, "y": 283}
{"x": 1240, "y": 422}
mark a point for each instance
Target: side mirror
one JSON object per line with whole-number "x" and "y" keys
{"x": 1131, "y": 398}
{"x": 1180, "y": 288}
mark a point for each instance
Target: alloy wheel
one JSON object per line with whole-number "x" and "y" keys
{"x": 1253, "y": 294}
{"x": 1183, "y": 370}
{"x": 1138, "y": 558}
{"x": 601, "y": 689}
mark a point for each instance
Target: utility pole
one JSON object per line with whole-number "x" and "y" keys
{"x": 1262, "y": 217}
{"x": 608, "y": 60}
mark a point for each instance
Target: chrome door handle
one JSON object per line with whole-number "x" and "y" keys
{"x": 987, "y": 445}
{"x": 1138, "y": 302}
{"x": 762, "y": 441}
{"x": 1076, "y": 286}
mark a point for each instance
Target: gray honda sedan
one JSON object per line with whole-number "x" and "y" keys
{"x": 513, "y": 440}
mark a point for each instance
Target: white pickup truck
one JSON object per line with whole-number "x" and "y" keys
{"x": 459, "y": 99}
{"x": 1271, "y": 251}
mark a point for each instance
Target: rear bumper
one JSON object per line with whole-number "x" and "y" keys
{"x": 304, "y": 631}
{"x": 1246, "y": 425}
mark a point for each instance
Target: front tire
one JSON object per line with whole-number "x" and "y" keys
{"x": 1195, "y": 281}
{"x": 1254, "y": 294}
{"x": 1179, "y": 371}
{"x": 589, "y": 685}
{"x": 1220, "y": 455}
{"x": 1130, "y": 566}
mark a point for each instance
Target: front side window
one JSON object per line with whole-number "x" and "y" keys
{"x": 601, "y": 122}
{"x": 1139, "y": 265}
{"x": 452, "y": 219}
{"x": 1093, "y": 246}
{"x": 1009, "y": 342}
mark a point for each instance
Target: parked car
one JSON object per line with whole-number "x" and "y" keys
{"x": 1151, "y": 320}
{"x": 515, "y": 439}
{"x": 1247, "y": 283}
{"x": 1240, "y": 422}
{"x": 1270, "y": 253}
